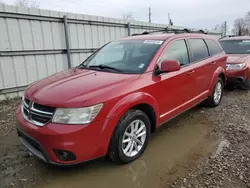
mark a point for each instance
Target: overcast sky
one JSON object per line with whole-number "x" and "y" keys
{"x": 187, "y": 13}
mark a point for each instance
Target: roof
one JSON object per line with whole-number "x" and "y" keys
{"x": 236, "y": 38}
{"x": 165, "y": 36}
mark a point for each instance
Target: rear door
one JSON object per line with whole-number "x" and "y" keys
{"x": 214, "y": 51}
{"x": 202, "y": 66}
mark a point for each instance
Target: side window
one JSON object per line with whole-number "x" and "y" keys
{"x": 213, "y": 47}
{"x": 198, "y": 49}
{"x": 177, "y": 51}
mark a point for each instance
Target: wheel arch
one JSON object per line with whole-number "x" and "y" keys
{"x": 149, "y": 111}
{"x": 141, "y": 101}
{"x": 223, "y": 77}
{"x": 219, "y": 72}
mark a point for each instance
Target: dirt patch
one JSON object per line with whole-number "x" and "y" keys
{"x": 229, "y": 165}
{"x": 14, "y": 165}
{"x": 204, "y": 147}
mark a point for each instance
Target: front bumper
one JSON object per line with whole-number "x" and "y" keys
{"x": 237, "y": 77}
{"x": 86, "y": 142}
{"x": 236, "y": 81}
{"x": 33, "y": 146}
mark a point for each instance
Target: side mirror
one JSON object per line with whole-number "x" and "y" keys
{"x": 169, "y": 66}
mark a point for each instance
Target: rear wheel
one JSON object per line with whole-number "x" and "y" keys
{"x": 130, "y": 137}
{"x": 215, "y": 98}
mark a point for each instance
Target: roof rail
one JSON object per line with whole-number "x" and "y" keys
{"x": 170, "y": 30}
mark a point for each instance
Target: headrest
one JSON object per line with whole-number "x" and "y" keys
{"x": 146, "y": 49}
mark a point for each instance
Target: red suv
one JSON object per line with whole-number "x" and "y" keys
{"x": 112, "y": 102}
{"x": 238, "y": 62}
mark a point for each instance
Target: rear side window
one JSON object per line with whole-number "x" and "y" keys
{"x": 213, "y": 47}
{"x": 198, "y": 49}
{"x": 177, "y": 51}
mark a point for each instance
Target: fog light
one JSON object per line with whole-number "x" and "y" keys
{"x": 64, "y": 155}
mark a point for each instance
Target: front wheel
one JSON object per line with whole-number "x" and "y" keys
{"x": 246, "y": 85}
{"x": 130, "y": 137}
{"x": 215, "y": 99}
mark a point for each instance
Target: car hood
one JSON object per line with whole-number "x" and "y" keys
{"x": 237, "y": 58}
{"x": 71, "y": 88}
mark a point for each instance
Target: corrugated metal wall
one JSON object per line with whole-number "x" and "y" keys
{"x": 32, "y": 42}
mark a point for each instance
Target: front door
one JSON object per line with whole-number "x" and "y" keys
{"x": 173, "y": 90}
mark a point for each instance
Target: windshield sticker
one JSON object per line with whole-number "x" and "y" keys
{"x": 246, "y": 41}
{"x": 153, "y": 41}
{"x": 141, "y": 66}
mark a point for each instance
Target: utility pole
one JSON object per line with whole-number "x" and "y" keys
{"x": 149, "y": 15}
{"x": 169, "y": 20}
{"x": 224, "y": 29}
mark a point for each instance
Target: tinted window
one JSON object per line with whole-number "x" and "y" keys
{"x": 177, "y": 51}
{"x": 198, "y": 49}
{"x": 213, "y": 47}
{"x": 236, "y": 46}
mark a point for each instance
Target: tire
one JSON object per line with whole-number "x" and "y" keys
{"x": 118, "y": 147}
{"x": 231, "y": 88}
{"x": 212, "y": 100}
{"x": 246, "y": 85}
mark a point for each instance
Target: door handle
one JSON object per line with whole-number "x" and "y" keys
{"x": 190, "y": 72}
{"x": 214, "y": 62}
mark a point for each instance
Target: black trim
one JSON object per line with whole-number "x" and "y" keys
{"x": 70, "y": 155}
{"x": 189, "y": 53}
{"x": 32, "y": 149}
{"x": 207, "y": 47}
{"x": 171, "y": 30}
{"x": 47, "y": 160}
{"x": 38, "y": 147}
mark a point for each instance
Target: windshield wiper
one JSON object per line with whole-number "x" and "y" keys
{"x": 82, "y": 66}
{"x": 102, "y": 66}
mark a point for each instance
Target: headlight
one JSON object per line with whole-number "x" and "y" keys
{"x": 76, "y": 115}
{"x": 236, "y": 66}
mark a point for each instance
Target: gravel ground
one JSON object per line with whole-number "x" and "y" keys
{"x": 227, "y": 167}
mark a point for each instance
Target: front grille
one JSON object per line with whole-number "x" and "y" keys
{"x": 44, "y": 108}
{"x": 27, "y": 101}
{"x": 36, "y": 113}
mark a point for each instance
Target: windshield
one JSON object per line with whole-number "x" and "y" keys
{"x": 123, "y": 56}
{"x": 236, "y": 46}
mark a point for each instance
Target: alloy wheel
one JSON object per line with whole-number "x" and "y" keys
{"x": 134, "y": 138}
{"x": 217, "y": 92}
